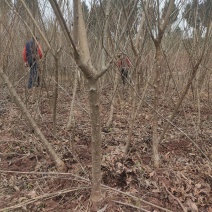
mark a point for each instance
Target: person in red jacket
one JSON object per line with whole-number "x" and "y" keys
{"x": 30, "y": 53}
{"x": 124, "y": 64}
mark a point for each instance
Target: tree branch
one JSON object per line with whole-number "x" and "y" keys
{"x": 86, "y": 69}
{"x": 147, "y": 20}
{"x": 166, "y": 19}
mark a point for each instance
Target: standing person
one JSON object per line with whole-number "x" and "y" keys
{"x": 31, "y": 52}
{"x": 124, "y": 64}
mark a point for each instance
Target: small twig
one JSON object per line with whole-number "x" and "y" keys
{"x": 132, "y": 206}
{"x": 175, "y": 198}
{"x": 137, "y": 198}
{"x": 45, "y": 196}
{"x": 60, "y": 174}
{"x": 14, "y": 153}
{"x": 75, "y": 157}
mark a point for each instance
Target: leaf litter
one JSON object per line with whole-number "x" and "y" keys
{"x": 183, "y": 182}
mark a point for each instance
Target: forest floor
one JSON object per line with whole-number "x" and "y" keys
{"x": 27, "y": 182}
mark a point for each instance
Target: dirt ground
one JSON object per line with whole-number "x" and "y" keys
{"x": 183, "y": 182}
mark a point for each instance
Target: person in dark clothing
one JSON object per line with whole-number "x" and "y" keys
{"x": 30, "y": 53}
{"x": 124, "y": 64}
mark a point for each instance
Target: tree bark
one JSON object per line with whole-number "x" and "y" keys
{"x": 96, "y": 140}
{"x": 155, "y": 141}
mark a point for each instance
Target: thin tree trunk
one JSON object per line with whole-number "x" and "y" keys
{"x": 135, "y": 111}
{"x": 133, "y": 118}
{"x": 71, "y": 114}
{"x": 199, "y": 110}
{"x": 189, "y": 82}
{"x": 105, "y": 33}
{"x": 161, "y": 27}
{"x": 55, "y": 94}
{"x": 76, "y": 41}
{"x": 58, "y": 162}
{"x": 180, "y": 100}
{"x": 110, "y": 119}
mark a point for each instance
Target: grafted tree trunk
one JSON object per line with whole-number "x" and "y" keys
{"x": 94, "y": 102}
{"x": 83, "y": 60}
